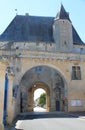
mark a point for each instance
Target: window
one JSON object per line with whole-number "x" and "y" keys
{"x": 76, "y": 73}
{"x": 65, "y": 43}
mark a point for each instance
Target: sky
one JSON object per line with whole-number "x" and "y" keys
{"x": 38, "y": 92}
{"x": 76, "y": 9}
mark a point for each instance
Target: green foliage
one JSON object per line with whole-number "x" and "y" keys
{"x": 42, "y": 99}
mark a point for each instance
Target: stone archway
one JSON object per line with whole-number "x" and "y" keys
{"x": 50, "y": 80}
{"x": 31, "y": 95}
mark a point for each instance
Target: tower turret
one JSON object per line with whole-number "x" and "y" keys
{"x": 62, "y": 31}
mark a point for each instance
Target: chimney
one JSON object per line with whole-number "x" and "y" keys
{"x": 27, "y": 14}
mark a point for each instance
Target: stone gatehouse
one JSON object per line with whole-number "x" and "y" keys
{"x": 41, "y": 52}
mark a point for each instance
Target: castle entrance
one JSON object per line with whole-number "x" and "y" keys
{"x": 31, "y": 102}
{"x": 48, "y": 79}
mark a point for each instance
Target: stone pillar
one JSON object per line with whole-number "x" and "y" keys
{"x": 30, "y": 102}
{"x": 10, "y": 101}
{"x": 3, "y": 66}
{"x": 53, "y": 101}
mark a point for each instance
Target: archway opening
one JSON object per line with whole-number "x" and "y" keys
{"x": 39, "y": 88}
{"x": 39, "y": 100}
{"x": 47, "y": 78}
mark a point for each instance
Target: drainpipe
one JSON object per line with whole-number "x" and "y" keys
{"x": 5, "y": 99}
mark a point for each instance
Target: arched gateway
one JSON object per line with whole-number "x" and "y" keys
{"x": 47, "y": 78}
{"x": 41, "y": 52}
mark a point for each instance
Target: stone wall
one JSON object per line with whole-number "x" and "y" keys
{"x": 61, "y": 63}
{"x": 3, "y": 65}
{"x": 64, "y": 67}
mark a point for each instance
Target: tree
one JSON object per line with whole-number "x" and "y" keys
{"x": 42, "y": 99}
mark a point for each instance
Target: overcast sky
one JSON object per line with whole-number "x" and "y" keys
{"x": 76, "y": 9}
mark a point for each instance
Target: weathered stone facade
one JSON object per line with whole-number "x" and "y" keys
{"x": 56, "y": 65}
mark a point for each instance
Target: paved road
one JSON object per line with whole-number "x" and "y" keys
{"x": 51, "y": 124}
{"x": 48, "y": 121}
{"x": 39, "y": 109}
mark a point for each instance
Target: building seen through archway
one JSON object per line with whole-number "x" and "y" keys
{"x": 39, "y": 100}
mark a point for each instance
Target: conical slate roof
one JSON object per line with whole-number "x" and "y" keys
{"x": 35, "y": 28}
{"x": 62, "y": 14}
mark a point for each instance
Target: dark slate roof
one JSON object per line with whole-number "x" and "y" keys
{"x": 35, "y": 28}
{"x": 76, "y": 37}
{"x": 62, "y": 14}
{"x": 29, "y": 28}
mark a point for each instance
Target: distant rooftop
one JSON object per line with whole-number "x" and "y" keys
{"x": 35, "y": 28}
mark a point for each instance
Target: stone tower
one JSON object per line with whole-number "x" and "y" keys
{"x": 62, "y": 31}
